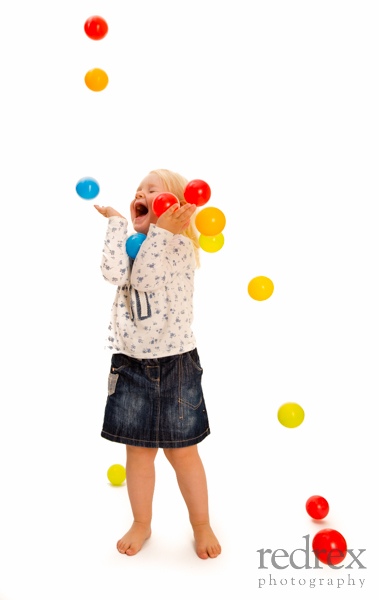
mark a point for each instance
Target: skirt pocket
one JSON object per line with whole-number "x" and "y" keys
{"x": 194, "y": 359}
{"x": 190, "y": 389}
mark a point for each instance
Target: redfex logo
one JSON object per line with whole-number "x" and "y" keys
{"x": 301, "y": 559}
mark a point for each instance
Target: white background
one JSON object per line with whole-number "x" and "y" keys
{"x": 275, "y": 105}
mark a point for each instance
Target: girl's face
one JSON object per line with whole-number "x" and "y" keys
{"x": 141, "y": 211}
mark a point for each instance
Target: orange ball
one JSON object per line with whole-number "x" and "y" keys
{"x": 96, "y": 80}
{"x": 260, "y": 288}
{"x": 210, "y": 221}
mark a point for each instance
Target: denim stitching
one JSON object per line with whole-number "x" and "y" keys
{"x": 180, "y": 387}
{"x": 191, "y": 405}
{"x": 159, "y": 410}
{"x": 152, "y": 367}
{"x": 193, "y": 362}
{"x": 159, "y": 441}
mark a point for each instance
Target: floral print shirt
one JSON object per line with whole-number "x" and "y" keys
{"x": 152, "y": 312}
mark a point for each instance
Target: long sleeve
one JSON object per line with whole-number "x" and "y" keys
{"x": 115, "y": 265}
{"x": 162, "y": 256}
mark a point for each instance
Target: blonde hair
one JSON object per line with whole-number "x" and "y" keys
{"x": 175, "y": 183}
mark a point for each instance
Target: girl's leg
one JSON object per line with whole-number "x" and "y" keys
{"x": 140, "y": 480}
{"x": 192, "y": 482}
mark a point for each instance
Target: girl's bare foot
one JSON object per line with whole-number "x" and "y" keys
{"x": 206, "y": 541}
{"x": 132, "y": 541}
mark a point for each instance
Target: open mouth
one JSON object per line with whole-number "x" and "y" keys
{"x": 141, "y": 211}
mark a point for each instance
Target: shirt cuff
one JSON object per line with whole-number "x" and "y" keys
{"x": 115, "y": 218}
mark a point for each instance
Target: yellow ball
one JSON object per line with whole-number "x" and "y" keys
{"x": 260, "y": 288}
{"x": 290, "y": 415}
{"x": 210, "y": 221}
{"x": 116, "y": 474}
{"x": 211, "y": 244}
{"x": 96, "y": 80}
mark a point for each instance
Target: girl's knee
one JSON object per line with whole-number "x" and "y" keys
{"x": 141, "y": 452}
{"x": 180, "y": 454}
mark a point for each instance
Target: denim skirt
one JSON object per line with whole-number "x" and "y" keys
{"x": 156, "y": 402}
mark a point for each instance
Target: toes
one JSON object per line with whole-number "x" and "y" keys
{"x": 214, "y": 551}
{"x": 202, "y": 553}
{"x": 122, "y": 548}
{"x": 132, "y": 550}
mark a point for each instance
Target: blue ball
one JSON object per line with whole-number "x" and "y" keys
{"x": 134, "y": 243}
{"x": 87, "y": 188}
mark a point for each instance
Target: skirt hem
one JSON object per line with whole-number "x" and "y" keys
{"x": 158, "y": 444}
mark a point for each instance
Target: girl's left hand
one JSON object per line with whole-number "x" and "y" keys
{"x": 176, "y": 220}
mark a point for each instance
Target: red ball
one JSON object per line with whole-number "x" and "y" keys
{"x": 162, "y": 202}
{"x": 317, "y": 507}
{"x": 197, "y": 192}
{"x": 96, "y": 28}
{"x": 329, "y": 546}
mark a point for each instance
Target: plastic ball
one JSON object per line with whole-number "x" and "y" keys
{"x": 290, "y": 415}
{"x": 96, "y": 80}
{"x": 87, "y": 188}
{"x": 210, "y": 221}
{"x": 134, "y": 243}
{"x": 260, "y": 288}
{"x": 116, "y": 474}
{"x": 329, "y": 546}
{"x": 317, "y": 507}
{"x": 162, "y": 202}
{"x": 96, "y": 27}
{"x": 211, "y": 244}
{"x": 197, "y": 192}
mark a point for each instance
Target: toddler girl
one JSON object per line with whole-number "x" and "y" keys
{"x": 155, "y": 398}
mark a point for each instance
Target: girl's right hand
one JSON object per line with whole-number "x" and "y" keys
{"x": 107, "y": 211}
